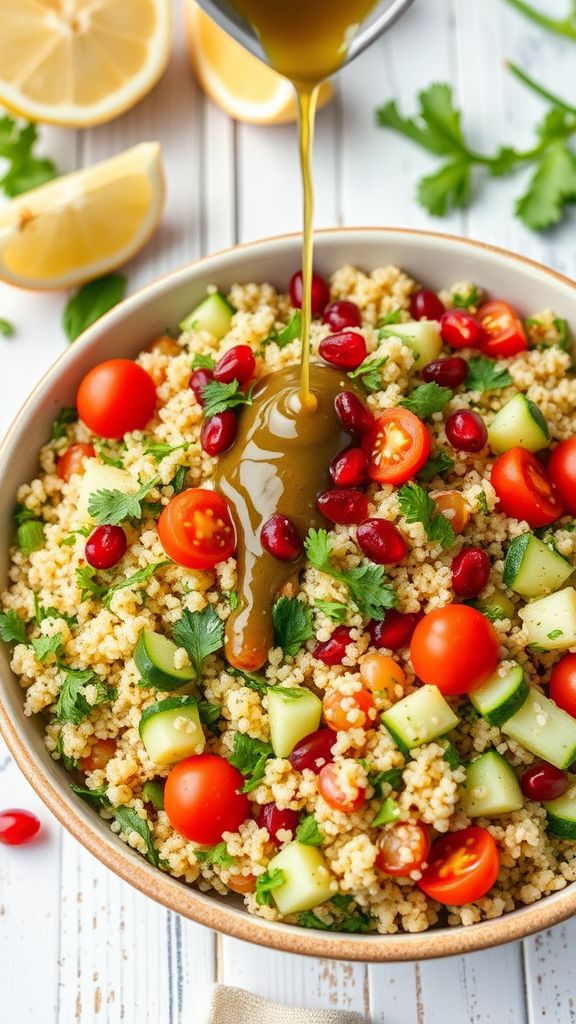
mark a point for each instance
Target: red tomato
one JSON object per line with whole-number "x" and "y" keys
{"x": 102, "y": 751}
{"x": 524, "y": 489}
{"x": 397, "y": 446}
{"x": 504, "y": 333}
{"x": 462, "y": 867}
{"x": 563, "y": 684}
{"x": 330, "y": 788}
{"x": 115, "y": 397}
{"x": 202, "y": 798}
{"x": 355, "y": 711}
{"x": 402, "y": 848}
{"x": 455, "y": 648}
{"x": 72, "y": 460}
{"x": 562, "y": 470}
{"x": 196, "y": 530}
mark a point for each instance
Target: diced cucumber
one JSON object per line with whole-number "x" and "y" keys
{"x": 100, "y": 477}
{"x": 497, "y": 606}
{"x": 551, "y": 621}
{"x": 562, "y": 815}
{"x": 170, "y": 730}
{"x": 501, "y": 696}
{"x": 491, "y": 787}
{"x": 419, "y": 718}
{"x": 292, "y": 716}
{"x": 533, "y": 569}
{"x": 153, "y": 793}
{"x": 519, "y": 423}
{"x": 307, "y": 878}
{"x": 544, "y": 729}
{"x": 421, "y": 336}
{"x": 154, "y": 659}
{"x": 214, "y": 314}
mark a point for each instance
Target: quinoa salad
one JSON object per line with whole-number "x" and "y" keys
{"x": 357, "y": 712}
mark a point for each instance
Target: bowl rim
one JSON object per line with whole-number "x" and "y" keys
{"x": 203, "y": 908}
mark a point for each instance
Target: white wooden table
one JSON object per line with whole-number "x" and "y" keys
{"x": 76, "y": 943}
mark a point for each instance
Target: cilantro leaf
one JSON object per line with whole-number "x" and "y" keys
{"x": 550, "y": 189}
{"x": 130, "y": 821}
{"x": 87, "y": 585}
{"x": 249, "y": 757}
{"x": 202, "y": 361}
{"x": 290, "y": 332}
{"x": 158, "y": 450}
{"x": 369, "y": 372}
{"x": 91, "y": 301}
{"x": 389, "y": 811}
{"x": 335, "y": 611}
{"x": 216, "y": 855}
{"x": 200, "y": 634}
{"x": 25, "y": 170}
{"x": 12, "y": 629}
{"x": 30, "y": 536}
{"x": 427, "y": 399}
{"x": 418, "y": 507}
{"x": 437, "y": 465}
{"x": 178, "y": 481}
{"x": 111, "y": 507}
{"x": 6, "y": 328}
{"x": 308, "y": 919}
{"x": 366, "y": 583}
{"x": 46, "y": 645}
{"x": 448, "y": 188}
{"x": 218, "y": 397}
{"x": 72, "y": 705}
{"x": 137, "y": 579}
{"x": 210, "y": 714}
{"x": 41, "y": 613}
{"x": 252, "y": 681}
{"x": 292, "y": 624}
{"x": 266, "y": 883}
{"x": 66, "y": 416}
{"x": 307, "y": 831}
{"x": 486, "y": 375}
{"x": 97, "y": 797}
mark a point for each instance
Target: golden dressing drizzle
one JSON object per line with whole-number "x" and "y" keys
{"x": 307, "y": 97}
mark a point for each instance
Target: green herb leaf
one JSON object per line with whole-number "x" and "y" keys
{"x": 6, "y": 328}
{"x": 111, "y": 507}
{"x": 87, "y": 584}
{"x": 418, "y": 507}
{"x": 366, "y": 583}
{"x": 378, "y": 779}
{"x": 72, "y": 705}
{"x": 252, "y": 681}
{"x": 153, "y": 793}
{"x": 249, "y": 757}
{"x": 23, "y": 514}
{"x": 233, "y": 599}
{"x": 178, "y": 481}
{"x": 96, "y": 797}
{"x": 91, "y": 301}
{"x": 41, "y": 613}
{"x": 451, "y": 756}
{"x": 46, "y": 645}
{"x": 137, "y": 579}
{"x": 437, "y": 465}
{"x": 218, "y": 397}
{"x": 130, "y": 821}
{"x": 266, "y": 883}
{"x": 160, "y": 451}
{"x": 202, "y": 361}
{"x": 483, "y": 502}
{"x": 467, "y": 300}
{"x": 217, "y": 856}
{"x": 561, "y": 26}
{"x": 551, "y": 188}
{"x": 389, "y": 811}
{"x": 308, "y": 832}
{"x": 290, "y": 332}
{"x": 308, "y": 919}
{"x": 393, "y": 317}
{"x": 554, "y": 634}
{"x": 12, "y": 629}
{"x": 292, "y": 624}
{"x": 66, "y": 416}
{"x": 200, "y": 634}
{"x": 427, "y": 399}
{"x": 335, "y": 611}
{"x": 25, "y": 170}
{"x": 70, "y": 763}
{"x": 486, "y": 375}
{"x": 368, "y": 373}
{"x": 30, "y": 536}
{"x": 210, "y": 714}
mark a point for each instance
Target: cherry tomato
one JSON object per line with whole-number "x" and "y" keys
{"x": 402, "y": 848}
{"x": 562, "y": 471}
{"x": 453, "y": 506}
{"x": 349, "y": 711}
{"x": 329, "y": 787}
{"x": 202, "y": 798}
{"x": 72, "y": 460}
{"x": 17, "y": 826}
{"x": 504, "y": 333}
{"x": 196, "y": 530}
{"x": 102, "y": 751}
{"x": 563, "y": 684}
{"x": 115, "y": 397}
{"x": 455, "y": 648}
{"x": 397, "y": 446}
{"x": 462, "y": 867}
{"x": 380, "y": 673}
{"x": 524, "y": 489}
{"x": 241, "y": 884}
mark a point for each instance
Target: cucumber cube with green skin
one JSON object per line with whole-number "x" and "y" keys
{"x": 520, "y": 423}
{"x": 561, "y": 814}
{"x": 291, "y": 717}
{"x": 101, "y": 477}
{"x": 154, "y": 658}
{"x": 544, "y": 729}
{"x": 421, "y": 336}
{"x": 491, "y": 787}
{"x": 533, "y": 569}
{"x": 170, "y": 730}
{"x": 214, "y": 314}
{"x": 501, "y": 696}
{"x": 307, "y": 878}
{"x": 550, "y": 622}
{"x": 497, "y": 606}
{"x": 419, "y": 718}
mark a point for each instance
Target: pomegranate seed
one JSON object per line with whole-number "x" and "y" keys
{"x": 354, "y": 416}
{"x": 218, "y": 433}
{"x": 470, "y": 572}
{"x": 345, "y": 506}
{"x": 237, "y": 364}
{"x": 274, "y": 820}
{"x": 395, "y": 631}
{"x": 381, "y": 541}
{"x": 105, "y": 546}
{"x": 346, "y": 350}
{"x": 17, "y": 826}
{"x": 542, "y": 781}
{"x": 281, "y": 539}
{"x": 466, "y": 431}
{"x": 425, "y": 305}
{"x": 332, "y": 651}
{"x": 460, "y": 329}
{"x": 198, "y": 381}
{"x": 348, "y": 469}
{"x": 314, "y": 751}
{"x": 320, "y": 292}
{"x": 448, "y": 373}
{"x": 342, "y": 314}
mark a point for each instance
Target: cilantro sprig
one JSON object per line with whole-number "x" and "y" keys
{"x": 417, "y": 506}
{"x": 72, "y": 704}
{"x": 366, "y": 583}
{"x": 427, "y": 399}
{"x": 292, "y": 624}
{"x": 130, "y": 821}
{"x": 290, "y": 332}
{"x": 369, "y": 372}
{"x": 272, "y": 879}
{"x": 111, "y": 507}
{"x": 437, "y": 465}
{"x": 561, "y": 26}
{"x": 200, "y": 634}
{"x": 12, "y": 629}
{"x": 218, "y": 397}
{"x": 25, "y": 170}
{"x": 486, "y": 375}
{"x": 249, "y": 757}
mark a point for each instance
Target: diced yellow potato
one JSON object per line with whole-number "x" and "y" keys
{"x": 307, "y": 878}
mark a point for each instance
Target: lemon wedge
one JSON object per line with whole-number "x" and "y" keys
{"x": 80, "y": 62}
{"x": 239, "y": 83}
{"x": 83, "y": 224}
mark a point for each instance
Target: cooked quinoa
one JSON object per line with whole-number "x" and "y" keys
{"x": 101, "y": 637}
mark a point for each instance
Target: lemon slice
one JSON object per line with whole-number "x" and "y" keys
{"x": 80, "y": 62}
{"x": 83, "y": 224}
{"x": 239, "y": 83}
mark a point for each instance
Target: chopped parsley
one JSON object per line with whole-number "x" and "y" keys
{"x": 44, "y": 646}
{"x": 377, "y": 779}
{"x": 368, "y": 373}
{"x": 96, "y": 797}
{"x": 308, "y": 832}
{"x": 111, "y": 507}
{"x": 427, "y": 399}
{"x": 178, "y": 481}
{"x": 451, "y": 756}
{"x": 30, "y": 536}
{"x": 202, "y": 361}
{"x": 483, "y": 502}
{"x": 65, "y": 417}
{"x": 292, "y": 624}
{"x": 437, "y": 465}
{"x": 290, "y": 332}
{"x": 486, "y": 375}
{"x": 249, "y": 757}
{"x": 334, "y": 610}
{"x": 87, "y": 584}
{"x": 200, "y": 634}
{"x": 12, "y": 629}
{"x": 467, "y": 300}
{"x": 418, "y": 507}
{"x": 216, "y": 855}
{"x": 72, "y": 705}
{"x": 130, "y": 821}
{"x": 210, "y": 714}
{"x": 366, "y": 583}
{"x": 159, "y": 451}
{"x": 218, "y": 397}
{"x": 266, "y": 883}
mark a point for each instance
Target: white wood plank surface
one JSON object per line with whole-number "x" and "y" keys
{"x": 77, "y": 943}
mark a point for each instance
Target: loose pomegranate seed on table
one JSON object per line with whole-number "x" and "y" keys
{"x": 543, "y": 781}
{"x": 425, "y": 305}
{"x": 466, "y": 431}
{"x": 448, "y": 373}
{"x": 394, "y": 631}
{"x": 345, "y": 506}
{"x": 105, "y": 547}
{"x": 320, "y": 292}
{"x": 460, "y": 329}
{"x": 354, "y": 416}
{"x": 198, "y": 381}
{"x": 345, "y": 350}
{"x": 218, "y": 433}
{"x": 332, "y": 651}
{"x": 314, "y": 751}
{"x": 381, "y": 541}
{"x": 274, "y": 820}
{"x": 281, "y": 539}
{"x": 342, "y": 314}
{"x": 470, "y": 572}
{"x": 17, "y": 826}
{"x": 348, "y": 469}
{"x": 236, "y": 364}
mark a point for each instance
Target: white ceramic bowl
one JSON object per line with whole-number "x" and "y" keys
{"x": 436, "y": 261}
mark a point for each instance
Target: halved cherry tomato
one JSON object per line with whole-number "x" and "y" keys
{"x": 524, "y": 489}
{"x": 462, "y": 867}
{"x": 455, "y": 648}
{"x": 396, "y": 446}
{"x": 504, "y": 333}
{"x": 349, "y": 711}
{"x": 329, "y": 787}
{"x": 563, "y": 684}
{"x": 202, "y": 798}
{"x": 453, "y": 506}
{"x": 72, "y": 460}
{"x": 115, "y": 397}
{"x": 562, "y": 470}
{"x": 102, "y": 751}
{"x": 402, "y": 848}
{"x": 380, "y": 673}
{"x": 196, "y": 530}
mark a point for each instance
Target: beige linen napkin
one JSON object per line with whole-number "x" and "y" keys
{"x": 235, "y": 1006}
